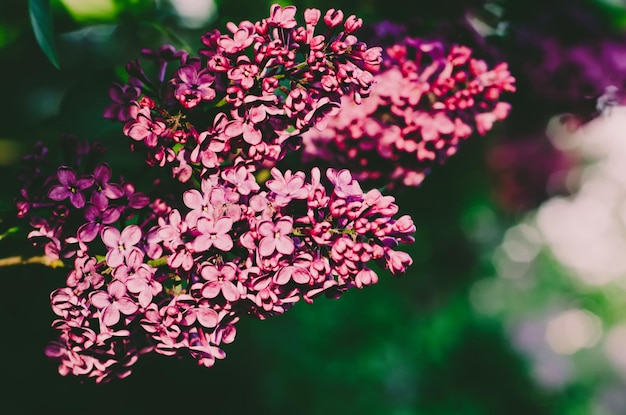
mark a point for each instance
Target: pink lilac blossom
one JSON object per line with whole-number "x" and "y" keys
{"x": 426, "y": 101}
{"x": 173, "y": 272}
{"x": 120, "y": 303}
{"x": 261, "y": 84}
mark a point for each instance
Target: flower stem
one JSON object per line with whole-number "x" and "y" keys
{"x": 41, "y": 259}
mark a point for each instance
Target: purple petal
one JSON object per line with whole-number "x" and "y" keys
{"x": 113, "y": 191}
{"x": 88, "y": 231}
{"x": 77, "y": 199}
{"x": 111, "y": 214}
{"x": 58, "y": 193}
{"x": 138, "y": 201}
{"x": 85, "y": 182}
{"x": 66, "y": 176}
{"x": 91, "y": 212}
{"x": 187, "y": 74}
{"x": 99, "y": 199}
{"x": 102, "y": 173}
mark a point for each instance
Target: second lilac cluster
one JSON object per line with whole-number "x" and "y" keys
{"x": 427, "y": 99}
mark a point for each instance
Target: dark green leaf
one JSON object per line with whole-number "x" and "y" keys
{"x": 41, "y": 19}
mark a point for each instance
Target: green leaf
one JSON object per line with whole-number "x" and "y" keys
{"x": 9, "y": 231}
{"x": 41, "y": 20}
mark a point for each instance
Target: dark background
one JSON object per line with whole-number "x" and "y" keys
{"x": 417, "y": 344}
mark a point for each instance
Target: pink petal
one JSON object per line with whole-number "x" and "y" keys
{"x": 223, "y": 242}
{"x": 136, "y": 285}
{"x": 229, "y": 291}
{"x": 284, "y": 226}
{"x": 111, "y": 315}
{"x": 127, "y": 306}
{"x": 207, "y": 317}
{"x": 234, "y": 128}
{"x": 252, "y": 135}
{"x": 100, "y": 299}
{"x": 223, "y": 225}
{"x": 114, "y": 258}
{"x": 283, "y": 276}
{"x": 202, "y": 243}
{"x": 267, "y": 246}
{"x": 300, "y": 275}
{"x": 284, "y": 245}
{"x": 131, "y": 235}
{"x": 266, "y": 228}
{"x": 117, "y": 289}
{"x": 193, "y": 199}
{"x": 211, "y": 289}
{"x": 110, "y": 236}
{"x": 134, "y": 258}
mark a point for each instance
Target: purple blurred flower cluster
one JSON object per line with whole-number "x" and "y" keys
{"x": 171, "y": 271}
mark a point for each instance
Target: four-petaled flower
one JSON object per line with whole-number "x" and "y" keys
{"x": 276, "y": 237}
{"x": 219, "y": 280}
{"x": 213, "y": 233}
{"x": 70, "y": 186}
{"x": 113, "y": 303}
{"x": 120, "y": 244}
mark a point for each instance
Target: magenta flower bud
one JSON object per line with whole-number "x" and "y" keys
{"x": 353, "y": 24}
{"x": 333, "y": 18}
{"x": 312, "y": 16}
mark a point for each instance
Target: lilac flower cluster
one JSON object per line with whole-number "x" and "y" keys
{"x": 249, "y": 95}
{"x": 173, "y": 270}
{"x": 427, "y": 99}
{"x": 178, "y": 283}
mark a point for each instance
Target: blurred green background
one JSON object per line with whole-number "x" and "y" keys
{"x": 515, "y": 303}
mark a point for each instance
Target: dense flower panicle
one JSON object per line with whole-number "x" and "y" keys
{"x": 229, "y": 234}
{"x": 261, "y": 85}
{"x": 427, "y": 99}
{"x": 227, "y": 250}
